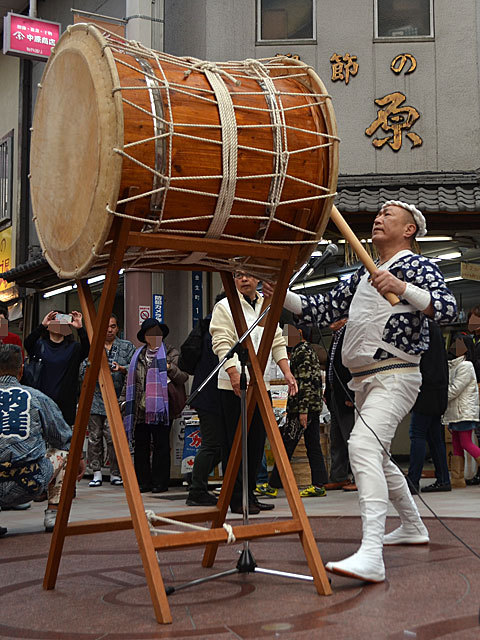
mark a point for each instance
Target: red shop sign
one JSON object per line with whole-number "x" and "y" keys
{"x": 29, "y": 37}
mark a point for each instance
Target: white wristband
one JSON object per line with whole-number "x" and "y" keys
{"x": 418, "y": 298}
{"x": 293, "y": 303}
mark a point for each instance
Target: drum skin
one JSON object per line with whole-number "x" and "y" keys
{"x": 82, "y": 120}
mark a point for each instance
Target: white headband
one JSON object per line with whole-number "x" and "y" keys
{"x": 416, "y": 213}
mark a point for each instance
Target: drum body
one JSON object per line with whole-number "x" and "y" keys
{"x": 219, "y": 150}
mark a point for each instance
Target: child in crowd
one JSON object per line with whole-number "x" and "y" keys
{"x": 462, "y": 414}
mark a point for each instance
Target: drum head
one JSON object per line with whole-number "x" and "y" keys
{"x": 75, "y": 173}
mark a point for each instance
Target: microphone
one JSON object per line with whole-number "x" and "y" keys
{"x": 330, "y": 250}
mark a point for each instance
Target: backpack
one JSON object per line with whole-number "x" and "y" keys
{"x": 191, "y": 349}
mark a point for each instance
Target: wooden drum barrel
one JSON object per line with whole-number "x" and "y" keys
{"x": 231, "y": 150}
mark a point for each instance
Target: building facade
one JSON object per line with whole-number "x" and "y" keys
{"x": 404, "y": 76}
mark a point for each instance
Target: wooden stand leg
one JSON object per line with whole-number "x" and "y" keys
{"x": 122, "y": 450}
{"x": 96, "y": 325}
{"x": 257, "y": 393}
{"x": 85, "y": 403}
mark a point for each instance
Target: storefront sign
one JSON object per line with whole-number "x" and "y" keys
{"x": 343, "y": 67}
{"x": 29, "y": 37}
{"x": 158, "y": 307}
{"x": 470, "y": 271}
{"x": 394, "y": 118}
{"x": 401, "y": 60}
{"x": 5, "y": 256}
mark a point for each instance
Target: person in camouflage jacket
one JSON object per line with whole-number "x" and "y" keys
{"x": 303, "y": 412}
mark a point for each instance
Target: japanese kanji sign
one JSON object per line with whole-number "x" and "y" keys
{"x": 394, "y": 119}
{"x": 5, "y": 256}
{"x": 28, "y": 37}
{"x": 197, "y": 296}
{"x": 401, "y": 60}
{"x": 343, "y": 68}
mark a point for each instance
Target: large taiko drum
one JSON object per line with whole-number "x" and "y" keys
{"x": 231, "y": 150}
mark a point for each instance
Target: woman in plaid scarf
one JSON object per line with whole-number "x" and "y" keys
{"x": 148, "y": 417}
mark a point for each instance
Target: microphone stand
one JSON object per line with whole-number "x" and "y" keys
{"x": 246, "y": 562}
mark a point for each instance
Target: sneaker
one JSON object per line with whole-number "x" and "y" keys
{"x": 266, "y": 490}
{"x": 437, "y": 486}
{"x": 260, "y": 489}
{"x": 312, "y": 491}
{"x": 49, "y": 519}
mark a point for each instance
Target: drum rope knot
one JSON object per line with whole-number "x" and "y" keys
{"x": 205, "y": 65}
{"x": 152, "y": 517}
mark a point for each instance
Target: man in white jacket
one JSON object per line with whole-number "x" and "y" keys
{"x": 382, "y": 349}
{"x": 224, "y": 337}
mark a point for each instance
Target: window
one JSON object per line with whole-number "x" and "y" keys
{"x": 285, "y": 20}
{"x": 405, "y": 19}
{"x": 6, "y": 177}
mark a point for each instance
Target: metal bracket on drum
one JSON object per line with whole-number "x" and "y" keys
{"x": 157, "y": 199}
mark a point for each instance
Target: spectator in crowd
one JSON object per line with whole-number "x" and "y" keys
{"x": 207, "y": 406}
{"x": 426, "y": 417}
{"x": 339, "y": 400}
{"x": 463, "y": 406}
{"x": 224, "y": 337}
{"x": 382, "y": 349}
{"x": 52, "y": 342}
{"x": 6, "y": 336}
{"x": 149, "y": 404}
{"x": 473, "y": 354}
{"x": 119, "y": 353}
{"x": 30, "y": 469}
{"x": 303, "y": 414}
{"x": 472, "y": 342}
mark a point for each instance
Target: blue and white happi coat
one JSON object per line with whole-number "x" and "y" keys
{"x": 28, "y": 421}
{"x": 376, "y": 330}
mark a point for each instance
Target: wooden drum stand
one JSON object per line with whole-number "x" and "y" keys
{"x": 96, "y": 326}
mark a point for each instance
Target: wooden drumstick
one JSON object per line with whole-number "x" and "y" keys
{"x": 348, "y": 234}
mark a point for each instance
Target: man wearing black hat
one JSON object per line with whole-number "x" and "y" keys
{"x": 150, "y": 404}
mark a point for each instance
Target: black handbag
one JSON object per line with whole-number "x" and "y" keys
{"x": 32, "y": 369}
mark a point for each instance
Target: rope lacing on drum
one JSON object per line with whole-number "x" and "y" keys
{"x": 152, "y": 517}
{"x": 205, "y": 65}
{"x": 268, "y": 72}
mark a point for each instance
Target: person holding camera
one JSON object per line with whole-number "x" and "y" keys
{"x": 53, "y": 344}
{"x": 119, "y": 353}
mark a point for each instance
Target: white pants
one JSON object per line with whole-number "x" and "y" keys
{"x": 382, "y": 402}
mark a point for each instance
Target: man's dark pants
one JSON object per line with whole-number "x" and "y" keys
{"x": 210, "y": 452}
{"x": 230, "y": 405}
{"x": 341, "y": 425}
{"x": 425, "y": 429}
{"x": 314, "y": 451}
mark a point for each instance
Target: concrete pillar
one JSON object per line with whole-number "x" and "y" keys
{"x": 139, "y": 29}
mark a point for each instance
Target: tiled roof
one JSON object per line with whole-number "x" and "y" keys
{"x": 36, "y": 273}
{"x": 430, "y": 192}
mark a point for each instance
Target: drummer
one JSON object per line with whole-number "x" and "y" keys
{"x": 382, "y": 348}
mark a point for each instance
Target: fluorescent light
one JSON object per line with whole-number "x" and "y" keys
{"x": 315, "y": 283}
{"x": 434, "y": 239}
{"x": 95, "y": 279}
{"x": 56, "y": 292}
{"x": 453, "y": 278}
{"x": 449, "y": 256}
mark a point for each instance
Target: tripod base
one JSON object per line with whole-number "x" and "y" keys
{"x": 246, "y": 564}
